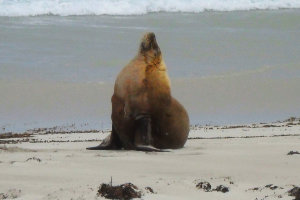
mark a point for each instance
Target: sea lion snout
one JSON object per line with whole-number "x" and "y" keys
{"x": 149, "y": 43}
{"x": 150, "y": 36}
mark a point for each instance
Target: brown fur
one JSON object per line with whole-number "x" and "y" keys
{"x": 143, "y": 89}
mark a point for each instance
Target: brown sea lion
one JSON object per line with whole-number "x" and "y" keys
{"x": 144, "y": 114}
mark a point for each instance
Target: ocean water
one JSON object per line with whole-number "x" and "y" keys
{"x": 58, "y": 63}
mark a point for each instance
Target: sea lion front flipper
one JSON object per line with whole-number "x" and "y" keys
{"x": 143, "y": 134}
{"x": 143, "y": 131}
{"x": 99, "y": 147}
{"x": 105, "y": 145}
{"x": 111, "y": 142}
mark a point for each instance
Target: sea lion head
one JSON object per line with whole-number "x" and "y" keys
{"x": 150, "y": 49}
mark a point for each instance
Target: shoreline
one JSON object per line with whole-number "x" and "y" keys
{"x": 82, "y": 128}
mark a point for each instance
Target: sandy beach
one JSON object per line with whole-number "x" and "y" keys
{"x": 250, "y": 160}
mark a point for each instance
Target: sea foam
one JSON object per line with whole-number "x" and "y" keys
{"x": 133, "y": 7}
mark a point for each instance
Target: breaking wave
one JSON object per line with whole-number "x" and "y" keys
{"x": 133, "y": 7}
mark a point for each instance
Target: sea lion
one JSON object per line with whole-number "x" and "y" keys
{"x": 144, "y": 114}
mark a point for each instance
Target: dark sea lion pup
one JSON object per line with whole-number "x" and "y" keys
{"x": 144, "y": 114}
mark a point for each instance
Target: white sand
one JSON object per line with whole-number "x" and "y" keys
{"x": 68, "y": 171}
